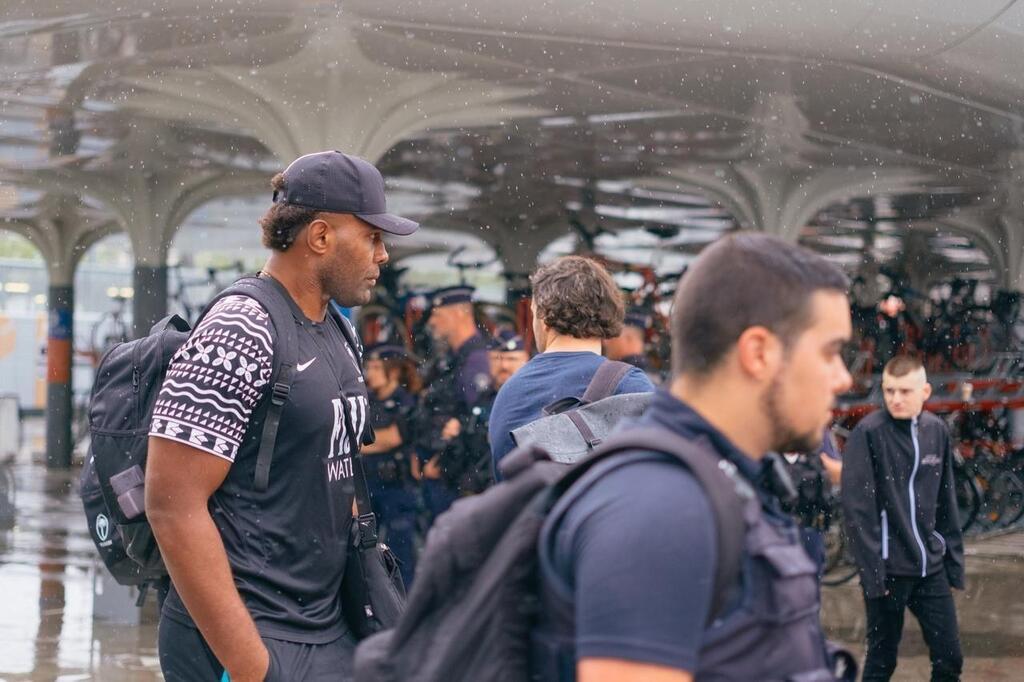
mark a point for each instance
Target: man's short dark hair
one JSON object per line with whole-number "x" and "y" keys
{"x": 576, "y": 296}
{"x": 745, "y": 280}
{"x": 902, "y": 365}
{"x": 283, "y": 222}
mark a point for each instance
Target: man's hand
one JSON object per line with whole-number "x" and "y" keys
{"x": 833, "y": 468}
{"x": 257, "y": 672}
{"x": 451, "y": 430}
{"x": 432, "y": 469}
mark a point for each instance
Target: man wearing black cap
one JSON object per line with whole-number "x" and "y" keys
{"x": 458, "y": 379}
{"x": 256, "y": 569}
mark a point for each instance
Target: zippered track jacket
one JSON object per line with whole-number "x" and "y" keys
{"x": 899, "y": 500}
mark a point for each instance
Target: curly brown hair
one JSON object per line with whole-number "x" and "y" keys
{"x": 282, "y": 223}
{"x": 576, "y": 296}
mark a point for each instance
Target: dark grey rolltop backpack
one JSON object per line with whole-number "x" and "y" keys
{"x": 124, "y": 392}
{"x": 572, "y": 427}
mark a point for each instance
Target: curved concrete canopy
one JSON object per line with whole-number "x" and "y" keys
{"x": 600, "y": 114}
{"x": 794, "y": 103}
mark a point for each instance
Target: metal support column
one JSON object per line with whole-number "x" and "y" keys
{"x": 58, "y": 377}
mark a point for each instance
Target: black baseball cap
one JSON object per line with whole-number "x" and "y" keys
{"x": 339, "y": 183}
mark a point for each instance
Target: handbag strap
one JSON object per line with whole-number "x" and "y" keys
{"x": 366, "y": 520}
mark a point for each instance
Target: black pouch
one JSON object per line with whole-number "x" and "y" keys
{"x": 372, "y": 591}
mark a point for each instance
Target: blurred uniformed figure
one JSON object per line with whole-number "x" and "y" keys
{"x": 392, "y": 382}
{"x": 507, "y": 354}
{"x": 630, "y": 345}
{"x": 452, "y": 387}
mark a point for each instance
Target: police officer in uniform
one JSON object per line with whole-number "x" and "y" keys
{"x": 452, "y": 387}
{"x": 629, "y": 345}
{"x": 391, "y": 381}
{"x": 507, "y": 354}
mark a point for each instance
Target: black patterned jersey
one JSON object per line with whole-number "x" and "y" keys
{"x": 216, "y": 379}
{"x": 287, "y": 546}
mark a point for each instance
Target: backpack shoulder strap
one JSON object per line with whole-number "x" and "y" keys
{"x": 605, "y": 380}
{"x": 275, "y": 299}
{"x": 727, "y": 494}
{"x": 348, "y": 331}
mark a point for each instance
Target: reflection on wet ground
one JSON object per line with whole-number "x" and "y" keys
{"x": 53, "y": 624}
{"x": 60, "y": 620}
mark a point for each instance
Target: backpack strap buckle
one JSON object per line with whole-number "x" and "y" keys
{"x": 279, "y": 394}
{"x": 366, "y": 530}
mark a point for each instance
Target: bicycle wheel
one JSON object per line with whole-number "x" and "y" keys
{"x": 968, "y": 498}
{"x": 839, "y": 567}
{"x": 1007, "y": 493}
{"x": 843, "y": 572}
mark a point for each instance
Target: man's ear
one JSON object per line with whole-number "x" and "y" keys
{"x": 926, "y": 391}
{"x": 759, "y": 353}
{"x": 317, "y": 236}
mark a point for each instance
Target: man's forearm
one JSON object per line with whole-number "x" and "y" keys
{"x": 388, "y": 438}
{"x": 194, "y": 554}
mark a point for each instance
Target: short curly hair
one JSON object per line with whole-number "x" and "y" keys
{"x": 282, "y": 223}
{"x": 576, "y": 296}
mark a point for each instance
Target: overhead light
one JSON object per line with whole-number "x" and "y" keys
{"x": 126, "y": 292}
{"x": 17, "y": 287}
{"x": 112, "y": 292}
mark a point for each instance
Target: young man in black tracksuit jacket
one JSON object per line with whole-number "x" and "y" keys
{"x": 900, "y": 515}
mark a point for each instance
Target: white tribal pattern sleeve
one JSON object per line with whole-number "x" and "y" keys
{"x": 216, "y": 379}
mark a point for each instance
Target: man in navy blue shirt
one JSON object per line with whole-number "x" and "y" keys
{"x": 576, "y": 306}
{"x": 758, "y": 325}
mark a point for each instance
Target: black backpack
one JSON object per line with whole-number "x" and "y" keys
{"x": 124, "y": 391}
{"x": 477, "y": 591}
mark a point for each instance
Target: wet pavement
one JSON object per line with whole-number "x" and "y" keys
{"x": 990, "y": 612}
{"x": 61, "y": 619}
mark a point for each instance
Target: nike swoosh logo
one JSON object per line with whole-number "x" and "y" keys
{"x": 303, "y": 366}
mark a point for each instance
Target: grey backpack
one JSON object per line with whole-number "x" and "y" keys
{"x": 572, "y": 427}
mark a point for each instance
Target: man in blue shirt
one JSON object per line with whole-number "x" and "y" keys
{"x": 576, "y": 306}
{"x": 758, "y": 326}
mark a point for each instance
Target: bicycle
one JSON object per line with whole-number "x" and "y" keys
{"x": 191, "y": 306}
{"x": 109, "y": 330}
{"x": 839, "y": 565}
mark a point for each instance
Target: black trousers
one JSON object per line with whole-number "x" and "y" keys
{"x": 185, "y": 657}
{"x": 931, "y": 601}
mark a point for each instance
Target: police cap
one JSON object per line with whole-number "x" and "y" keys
{"x": 385, "y": 351}
{"x": 506, "y": 340}
{"x": 451, "y": 295}
{"x": 637, "y": 317}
